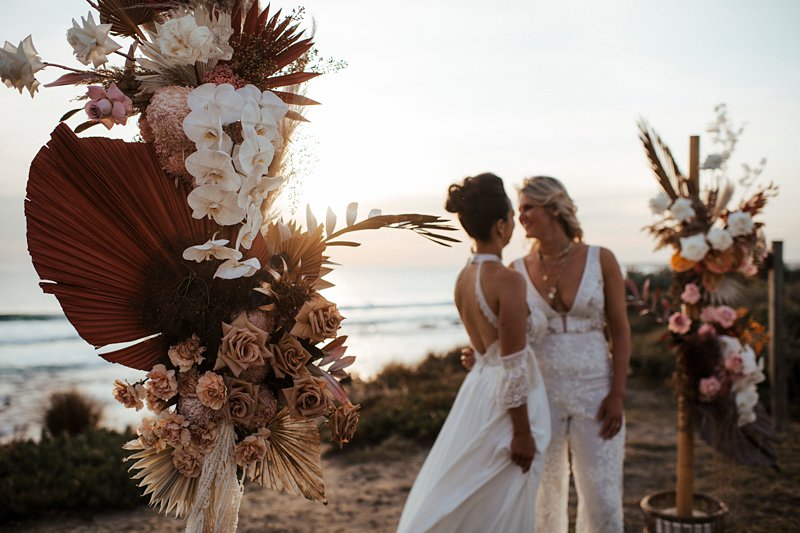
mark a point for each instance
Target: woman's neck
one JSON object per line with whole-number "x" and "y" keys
{"x": 554, "y": 244}
{"x": 488, "y": 248}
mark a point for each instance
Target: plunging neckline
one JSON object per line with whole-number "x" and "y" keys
{"x": 577, "y": 293}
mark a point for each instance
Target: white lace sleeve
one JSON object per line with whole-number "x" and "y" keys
{"x": 516, "y": 380}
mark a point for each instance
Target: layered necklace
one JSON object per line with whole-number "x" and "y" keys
{"x": 551, "y": 275}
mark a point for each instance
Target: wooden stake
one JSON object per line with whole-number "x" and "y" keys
{"x": 777, "y": 362}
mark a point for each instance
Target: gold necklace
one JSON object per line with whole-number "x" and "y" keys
{"x": 561, "y": 258}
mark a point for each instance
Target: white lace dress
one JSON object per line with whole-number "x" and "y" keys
{"x": 576, "y": 365}
{"x": 468, "y": 482}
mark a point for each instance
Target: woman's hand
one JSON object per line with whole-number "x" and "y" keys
{"x": 468, "y": 358}
{"x": 523, "y": 449}
{"x": 610, "y": 415}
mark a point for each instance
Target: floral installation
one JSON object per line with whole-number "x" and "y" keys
{"x": 171, "y": 246}
{"x": 716, "y": 248}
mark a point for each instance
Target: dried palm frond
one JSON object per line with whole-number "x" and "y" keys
{"x": 106, "y": 232}
{"x": 752, "y": 444}
{"x": 427, "y": 226}
{"x": 669, "y": 181}
{"x": 125, "y": 16}
{"x": 169, "y": 489}
{"x": 723, "y": 197}
{"x": 293, "y": 463}
{"x": 304, "y": 252}
{"x": 757, "y": 202}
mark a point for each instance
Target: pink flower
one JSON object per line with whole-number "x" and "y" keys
{"x": 734, "y": 363}
{"x": 726, "y": 316}
{"x": 109, "y": 106}
{"x": 747, "y": 267}
{"x": 679, "y": 323}
{"x": 706, "y": 330}
{"x": 691, "y": 294}
{"x": 708, "y": 314}
{"x": 710, "y": 387}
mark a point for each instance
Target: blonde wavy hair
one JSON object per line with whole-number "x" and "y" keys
{"x": 552, "y": 195}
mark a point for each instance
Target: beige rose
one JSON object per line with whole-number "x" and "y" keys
{"x": 129, "y": 395}
{"x": 307, "y": 398}
{"x": 243, "y": 345}
{"x": 252, "y": 449}
{"x": 242, "y": 401}
{"x": 211, "y": 390}
{"x": 147, "y": 434}
{"x": 187, "y": 353}
{"x": 154, "y": 403}
{"x": 162, "y": 383}
{"x": 204, "y": 437}
{"x": 187, "y": 462}
{"x": 317, "y": 320}
{"x": 343, "y": 423}
{"x": 290, "y": 356}
{"x": 173, "y": 429}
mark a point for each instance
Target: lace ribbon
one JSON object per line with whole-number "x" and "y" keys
{"x": 516, "y": 379}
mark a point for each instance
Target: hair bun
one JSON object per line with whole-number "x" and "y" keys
{"x": 455, "y": 199}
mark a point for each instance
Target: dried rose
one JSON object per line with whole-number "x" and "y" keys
{"x": 204, "y": 437}
{"x": 173, "y": 429}
{"x": 187, "y": 462}
{"x": 317, "y": 320}
{"x": 162, "y": 383}
{"x": 290, "y": 356}
{"x": 679, "y": 323}
{"x": 154, "y": 403}
{"x": 242, "y": 401}
{"x": 108, "y": 106}
{"x": 147, "y": 434}
{"x": 307, "y": 398}
{"x": 187, "y": 353}
{"x": 344, "y": 422}
{"x": 252, "y": 449}
{"x": 726, "y": 316}
{"x": 187, "y": 383}
{"x": 129, "y": 395}
{"x": 211, "y": 390}
{"x": 243, "y": 345}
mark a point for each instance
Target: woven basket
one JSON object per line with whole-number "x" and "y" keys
{"x": 659, "y": 514}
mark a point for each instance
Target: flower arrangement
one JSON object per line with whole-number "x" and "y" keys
{"x": 715, "y": 250}
{"x": 171, "y": 246}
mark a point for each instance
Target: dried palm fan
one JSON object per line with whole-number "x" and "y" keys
{"x": 669, "y": 176}
{"x": 106, "y": 232}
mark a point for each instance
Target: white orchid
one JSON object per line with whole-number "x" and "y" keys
{"x": 204, "y": 128}
{"x": 284, "y": 231}
{"x": 90, "y": 41}
{"x": 740, "y": 223}
{"x": 311, "y": 220}
{"x": 682, "y": 209}
{"x": 250, "y": 93}
{"x": 233, "y": 269}
{"x": 694, "y": 248}
{"x": 261, "y": 121}
{"x": 256, "y": 187}
{"x": 211, "y": 249}
{"x": 746, "y": 400}
{"x": 250, "y": 228}
{"x": 221, "y": 100}
{"x": 352, "y": 213}
{"x": 183, "y": 42}
{"x": 215, "y": 202}
{"x": 374, "y": 213}
{"x": 18, "y": 64}
{"x": 213, "y": 167}
{"x": 660, "y": 203}
{"x": 254, "y": 152}
{"x": 271, "y": 102}
{"x": 720, "y": 239}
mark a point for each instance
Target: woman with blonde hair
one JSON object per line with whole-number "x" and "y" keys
{"x": 581, "y": 291}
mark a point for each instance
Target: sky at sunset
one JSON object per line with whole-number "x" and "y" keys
{"x": 438, "y": 90}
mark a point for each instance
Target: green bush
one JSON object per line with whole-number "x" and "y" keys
{"x": 79, "y": 475}
{"x": 71, "y": 413}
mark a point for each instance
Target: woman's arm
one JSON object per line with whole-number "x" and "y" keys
{"x": 512, "y": 320}
{"x": 611, "y": 410}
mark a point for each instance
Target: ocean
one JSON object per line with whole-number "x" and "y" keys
{"x": 391, "y": 314}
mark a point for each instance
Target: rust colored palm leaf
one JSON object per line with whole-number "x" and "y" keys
{"x": 101, "y": 214}
{"x": 668, "y": 175}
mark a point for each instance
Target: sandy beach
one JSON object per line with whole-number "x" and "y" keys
{"x": 367, "y": 488}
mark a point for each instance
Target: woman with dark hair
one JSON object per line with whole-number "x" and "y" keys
{"x": 482, "y": 473}
{"x": 581, "y": 291}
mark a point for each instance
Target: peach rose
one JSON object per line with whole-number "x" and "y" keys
{"x": 211, "y": 390}
{"x": 187, "y": 462}
{"x": 154, "y": 403}
{"x": 343, "y": 423}
{"x": 252, "y": 449}
{"x": 726, "y": 316}
{"x": 679, "y": 323}
{"x": 173, "y": 429}
{"x": 187, "y": 353}
{"x": 290, "y": 356}
{"x": 162, "y": 383}
{"x": 691, "y": 294}
{"x": 204, "y": 437}
{"x": 317, "y": 320}
{"x": 242, "y": 401}
{"x": 307, "y": 398}
{"x": 129, "y": 395}
{"x": 147, "y": 434}
{"x": 708, "y": 314}
{"x": 243, "y": 345}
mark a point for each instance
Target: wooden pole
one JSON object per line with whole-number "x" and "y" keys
{"x": 684, "y": 486}
{"x": 777, "y": 362}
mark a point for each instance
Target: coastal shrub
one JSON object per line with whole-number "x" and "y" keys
{"x": 75, "y": 475}
{"x": 71, "y": 413}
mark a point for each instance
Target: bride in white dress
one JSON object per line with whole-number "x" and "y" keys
{"x": 482, "y": 473}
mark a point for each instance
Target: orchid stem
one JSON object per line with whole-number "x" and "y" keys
{"x": 74, "y": 69}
